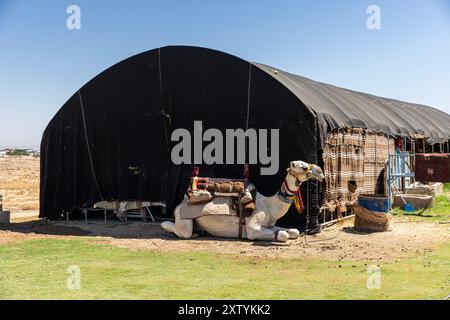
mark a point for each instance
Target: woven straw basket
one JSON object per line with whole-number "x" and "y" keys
{"x": 367, "y": 220}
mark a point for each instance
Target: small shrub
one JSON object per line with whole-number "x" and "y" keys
{"x": 17, "y": 153}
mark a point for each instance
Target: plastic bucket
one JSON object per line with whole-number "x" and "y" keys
{"x": 374, "y": 202}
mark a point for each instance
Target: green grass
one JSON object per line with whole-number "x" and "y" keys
{"x": 440, "y": 212}
{"x": 36, "y": 269}
{"x": 447, "y": 187}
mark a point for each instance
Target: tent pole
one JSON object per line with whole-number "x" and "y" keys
{"x": 166, "y": 119}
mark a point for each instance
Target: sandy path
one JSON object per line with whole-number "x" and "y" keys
{"x": 339, "y": 242}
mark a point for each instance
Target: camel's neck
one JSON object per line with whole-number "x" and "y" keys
{"x": 278, "y": 203}
{"x": 290, "y": 187}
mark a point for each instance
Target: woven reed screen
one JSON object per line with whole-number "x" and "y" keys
{"x": 354, "y": 156}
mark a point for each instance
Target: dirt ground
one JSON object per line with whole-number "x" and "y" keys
{"x": 19, "y": 183}
{"x": 339, "y": 242}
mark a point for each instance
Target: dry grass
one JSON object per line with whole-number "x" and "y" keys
{"x": 19, "y": 183}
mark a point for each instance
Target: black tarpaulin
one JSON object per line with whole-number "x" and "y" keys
{"x": 113, "y": 132}
{"x": 337, "y": 108}
{"x": 111, "y": 139}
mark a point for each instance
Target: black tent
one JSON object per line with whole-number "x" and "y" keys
{"x": 111, "y": 139}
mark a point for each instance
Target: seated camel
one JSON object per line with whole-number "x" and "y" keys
{"x": 218, "y": 217}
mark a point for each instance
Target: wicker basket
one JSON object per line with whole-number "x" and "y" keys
{"x": 367, "y": 220}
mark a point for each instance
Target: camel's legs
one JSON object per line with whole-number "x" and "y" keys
{"x": 293, "y": 233}
{"x": 267, "y": 234}
{"x": 183, "y": 228}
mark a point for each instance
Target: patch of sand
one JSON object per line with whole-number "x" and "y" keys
{"x": 19, "y": 183}
{"x": 340, "y": 242}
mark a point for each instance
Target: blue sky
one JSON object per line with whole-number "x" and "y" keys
{"x": 42, "y": 63}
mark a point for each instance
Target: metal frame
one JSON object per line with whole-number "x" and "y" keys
{"x": 85, "y": 213}
{"x": 142, "y": 212}
{"x": 405, "y": 163}
{"x": 392, "y": 178}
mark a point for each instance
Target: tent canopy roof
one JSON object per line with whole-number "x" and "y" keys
{"x": 110, "y": 140}
{"x": 339, "y": 108}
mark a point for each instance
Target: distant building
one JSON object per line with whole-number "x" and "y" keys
{"x": 34, "y": 153}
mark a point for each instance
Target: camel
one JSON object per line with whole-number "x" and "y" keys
{"x": 219, "y": 218}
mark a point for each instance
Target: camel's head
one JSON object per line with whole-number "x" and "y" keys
{"x": 303, "y": 171}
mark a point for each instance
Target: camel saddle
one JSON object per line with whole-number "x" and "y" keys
{"x": 203, "y": 190}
